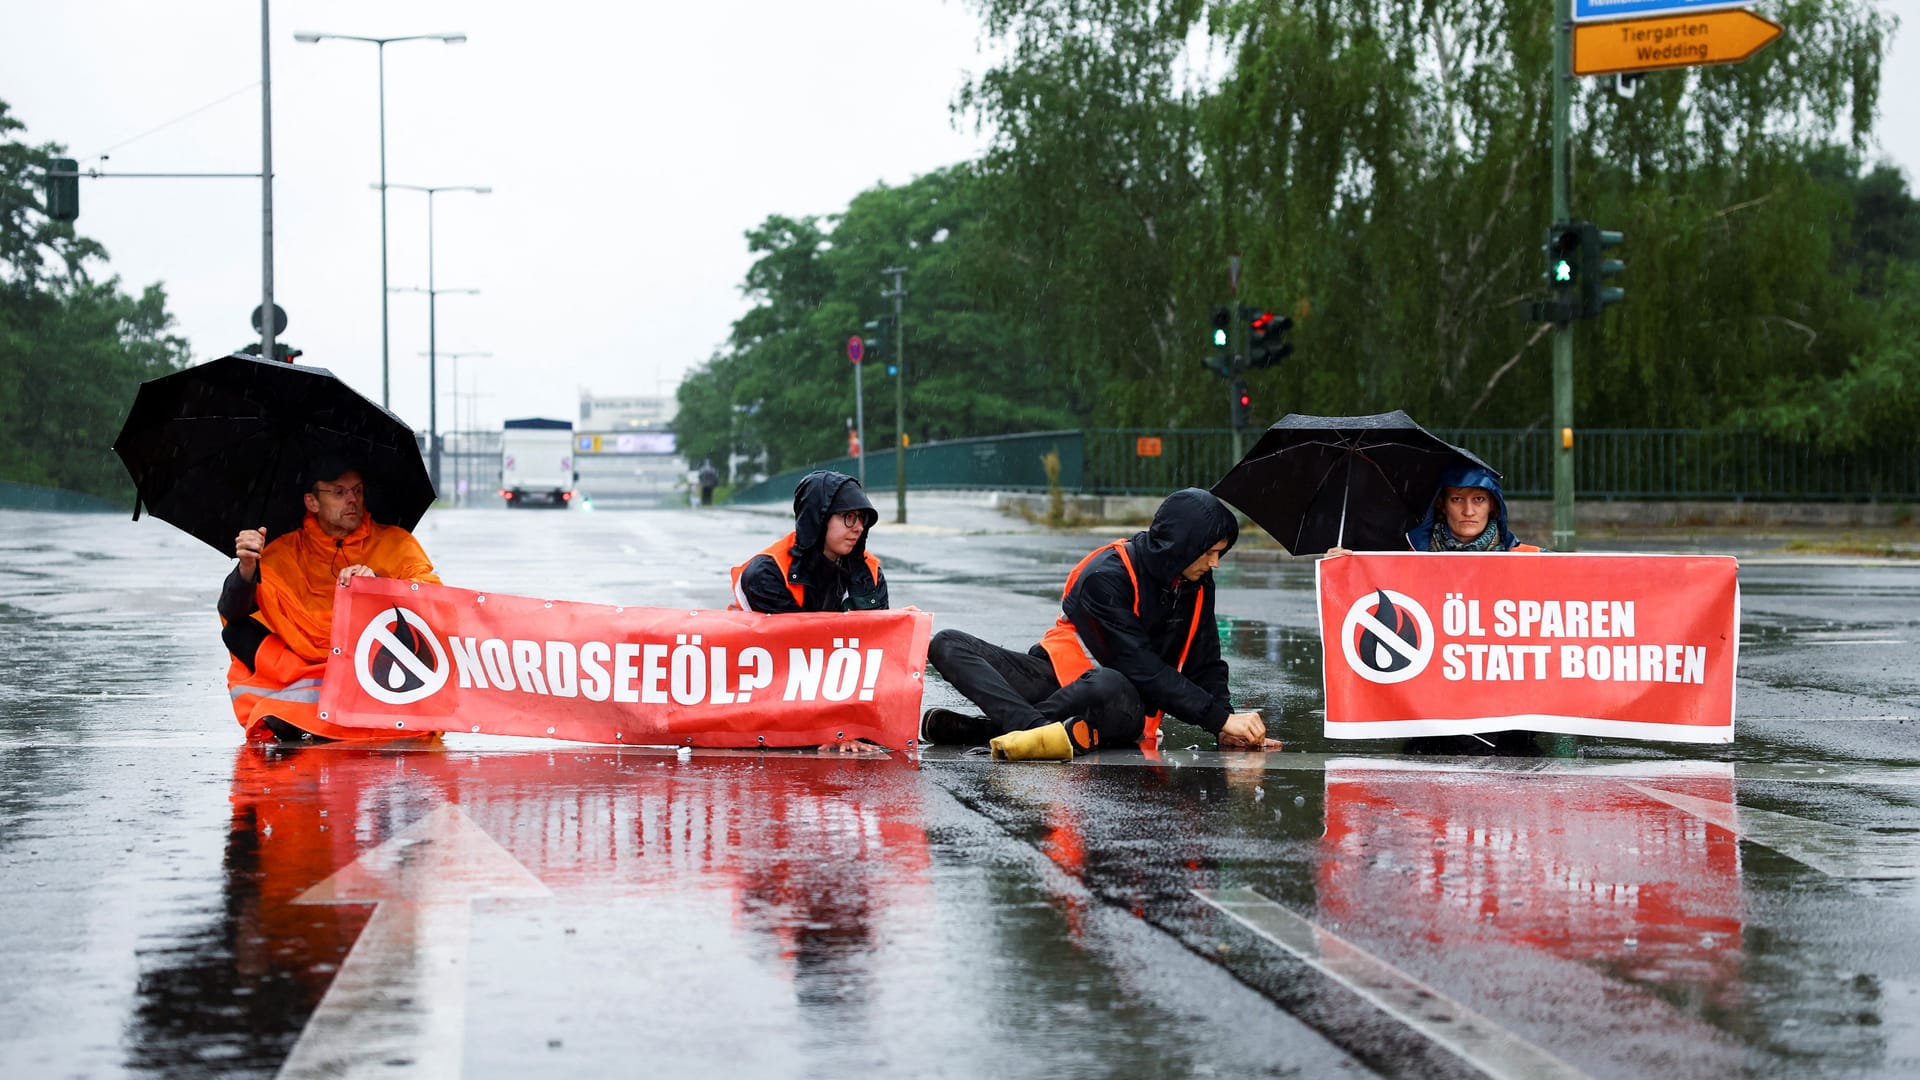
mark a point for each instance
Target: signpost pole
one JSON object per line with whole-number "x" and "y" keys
{"x": 1563, "y": 534}
{"x": 899, "y": 358}
{"x": 856, "y": 352}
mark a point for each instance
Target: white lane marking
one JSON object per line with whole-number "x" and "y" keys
{"x": 1462, "y": 1032}
{"x": 398, "y": 1005}
{"x": 1834, "y": 850}
{"x": 1655, "y": 769}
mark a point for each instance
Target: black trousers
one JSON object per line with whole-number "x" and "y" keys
{"x": 243, "y": 638}
{"x": 1017, "y": 690}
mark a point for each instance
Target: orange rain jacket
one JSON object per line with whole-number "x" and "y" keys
{"x": 299, "y": 574}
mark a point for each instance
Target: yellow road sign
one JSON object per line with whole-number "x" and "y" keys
{"x": 1710, "y": 37}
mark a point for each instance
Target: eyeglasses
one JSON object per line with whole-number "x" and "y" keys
{"x": 853, "y": 518}
{"x": 357, "y": 491}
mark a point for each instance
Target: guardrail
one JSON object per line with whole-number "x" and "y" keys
{"x": 18, "y": 496}
{"x": 1625, "y": 463}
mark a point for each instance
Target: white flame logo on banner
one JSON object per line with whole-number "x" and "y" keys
{"x": 1390, "y": 669}
{"x": 426, "y": 681}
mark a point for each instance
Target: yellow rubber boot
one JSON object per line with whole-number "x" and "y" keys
{"x": 1054, "y": 742}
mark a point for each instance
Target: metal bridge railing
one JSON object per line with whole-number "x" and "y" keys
{"x": 1609, "y": 464}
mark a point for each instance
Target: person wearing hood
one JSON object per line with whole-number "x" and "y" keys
{"x": 1468, "y": 513}
{"x": 823, "y": 564}
{"x": 1135, "y": 639}
{"x": 277, "y": 603}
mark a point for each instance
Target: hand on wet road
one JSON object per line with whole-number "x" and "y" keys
{"x": 1243, "y": 731}
{"x": 852, "y": 746}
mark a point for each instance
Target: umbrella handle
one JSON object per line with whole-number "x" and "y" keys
{"x": 136, "y": 506}
{"x": 1346, "y": 489}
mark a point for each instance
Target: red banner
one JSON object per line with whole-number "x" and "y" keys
{"x": 1632, "y": 646}
{"x": 415, "y": 657}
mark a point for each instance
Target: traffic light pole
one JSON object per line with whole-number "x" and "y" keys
{"x": 860, "y": 420}
{"x": 899, "y": 358}
{"x": 1563, "y": 533}
{"x": 267, "y": 329}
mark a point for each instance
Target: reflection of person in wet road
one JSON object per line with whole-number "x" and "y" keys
{"x": 235, "y": 993}
{"x": 1136, "y": 637}
{"x": 823, "y": 564}
{"x": 277, "y": 603}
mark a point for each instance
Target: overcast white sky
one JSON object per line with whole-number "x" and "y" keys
{"x": 628, "y": 146}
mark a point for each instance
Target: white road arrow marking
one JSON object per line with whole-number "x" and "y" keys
{"x": 1834, "y": 850}
{"x": 1473, "y": 1038}
{"x": 397, "y": 1007}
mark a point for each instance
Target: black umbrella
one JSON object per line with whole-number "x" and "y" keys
{"x": 224, "y": 446}
{"x": 1360, "y": 482}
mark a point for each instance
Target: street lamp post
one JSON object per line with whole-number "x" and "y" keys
{"x": 433, "y": 389}
{"x": 899, "y": 358}
{"x": 309, "y": 37}
{"x": 433, "y": 296}
{"x": 460, "y": 466}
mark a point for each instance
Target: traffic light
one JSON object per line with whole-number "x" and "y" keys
{"x": 1242, "y": 405}
{"x": 1266, "y": 339}
{"x": 1595, "y": 295}
{"x": 63, "y": 192}
{"x": 282, "y": 351}
{"x": 1563, "y": 249}
{"x": 880, "y": 345}
{"x": 1563, "y": 258}
{"x": 1220, "y": 341}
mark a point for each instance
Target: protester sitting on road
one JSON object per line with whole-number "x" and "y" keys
{"x": 1468, "y": 513}
{"x": 1135, "y": 635}
{"x": 823, "y": 564}
{"x": 278, "y": 601}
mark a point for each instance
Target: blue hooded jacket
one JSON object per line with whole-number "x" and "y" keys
{"x": 1465, "y": 476}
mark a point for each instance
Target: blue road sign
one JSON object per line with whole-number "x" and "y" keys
{"x": 1588, "y": 10}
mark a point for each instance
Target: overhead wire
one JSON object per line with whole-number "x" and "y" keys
{"x": 183, "y": 116}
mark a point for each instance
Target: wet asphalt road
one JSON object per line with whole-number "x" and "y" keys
{"x": 182, "y": 905}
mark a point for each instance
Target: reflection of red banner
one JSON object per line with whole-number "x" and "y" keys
{"x": 1593, "y": 867}
{"x": 826, "y": 855}
{"x": 1636, "y": 646}
{"x": 417, "y": 657}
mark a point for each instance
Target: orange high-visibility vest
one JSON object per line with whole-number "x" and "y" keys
{"x": 781, "y": 552}
{"x": 1069, "y": 654}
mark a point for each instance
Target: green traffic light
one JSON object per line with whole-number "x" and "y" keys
{"x": 1563, "y": 270}
{"x": 1220, "y": 338}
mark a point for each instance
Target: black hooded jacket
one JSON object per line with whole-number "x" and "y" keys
{"x": 850, "y": 584}
{"x": 1146, "y": 647}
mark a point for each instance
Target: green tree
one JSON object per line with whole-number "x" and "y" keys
{"x": 783, "y": 386}
{"x": 1381, "y": 168}
{"x": 73, "y": 350}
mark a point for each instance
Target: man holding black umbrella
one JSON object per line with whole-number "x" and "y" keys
{"x": 278, "y": 601}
